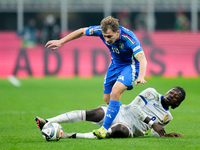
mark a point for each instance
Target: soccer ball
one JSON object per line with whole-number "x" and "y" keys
{"x": 52, "y": 131}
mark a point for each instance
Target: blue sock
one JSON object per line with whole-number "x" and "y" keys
{"x": 112, "y": 111}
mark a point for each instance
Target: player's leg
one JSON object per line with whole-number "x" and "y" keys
{"x": 106, "y": 98}
{"x": 40, "y": 122}
{"x": 116, "y": 89}
{"x": 114, "y": 105}
{"x": 113, "y": 97}
{"x": 118, "y": 130}
{"x": 124, "y": 82}
{"x": 69, "y": 117}
{"x": 109, "y": 81}
{"x": 113, "y": 109}
{"x": 94, "y": 115}
{"x": 88, "y": 135}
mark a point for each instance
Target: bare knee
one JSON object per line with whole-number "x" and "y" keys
{"x": 115, "y": 95}
{"x": 117, "y": 90}
{"x": 120, "y": 131}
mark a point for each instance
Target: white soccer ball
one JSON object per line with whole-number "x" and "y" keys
{"x": 52, "y": 131}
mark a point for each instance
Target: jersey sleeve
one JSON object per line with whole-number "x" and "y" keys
{"x": 150, "y": 94}
{"x": 140, "y": 101}
{"x": 137, "y": 48}
{"x": 136, "y": 106}
{"x": 94, "y": 31}
{"x": 133, "y": 43}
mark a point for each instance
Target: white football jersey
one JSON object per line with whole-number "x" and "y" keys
{"x": 149, "y": 101}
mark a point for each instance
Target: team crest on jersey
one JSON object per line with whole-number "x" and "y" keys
{"x": 147, "y": 94}
{"x": 166, "y": 118}
{"x": 91, "y": 31}
{"x": 121, "y": 45}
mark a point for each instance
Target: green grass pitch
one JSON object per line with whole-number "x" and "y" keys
{"x": 51, "y": 96}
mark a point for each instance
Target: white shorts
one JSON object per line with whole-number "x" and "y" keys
{"x": 120, "y": 119}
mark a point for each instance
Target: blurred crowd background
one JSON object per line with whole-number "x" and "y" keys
{"x": 167, "y": 29}
{"x": 41, "y": 20}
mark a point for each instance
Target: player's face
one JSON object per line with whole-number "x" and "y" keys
{"x": 111, "y": 36}
{"x": 173, "y": 98}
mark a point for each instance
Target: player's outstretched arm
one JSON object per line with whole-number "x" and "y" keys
{"x": 159, "y": 129}
{"x": 156, "y": 127}
{"x": 154, "y": 133}
{"x": 56, "y": 44}
{"x": 142, "y": 68}
{"x": 174, "y": 135}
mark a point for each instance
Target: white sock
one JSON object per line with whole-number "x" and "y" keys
{"x": 69, "y": 117}
{"x": 89, "y": 135}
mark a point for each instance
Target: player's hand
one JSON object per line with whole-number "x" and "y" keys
{"x": 54, "y": 44}
{"x": 140, "y": 80}
{"x": 159, "y": 129}
{"x": 174, "y": 135}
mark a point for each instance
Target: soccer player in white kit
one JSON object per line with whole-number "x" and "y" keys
{"x": 149, "y": 110}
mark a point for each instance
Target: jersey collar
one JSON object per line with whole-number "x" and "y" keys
{"x": 161, "y": 98}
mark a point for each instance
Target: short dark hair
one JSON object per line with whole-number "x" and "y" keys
{"x": 183, "y": 94}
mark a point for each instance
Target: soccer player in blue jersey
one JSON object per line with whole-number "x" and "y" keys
{"x": 128, "y": 63}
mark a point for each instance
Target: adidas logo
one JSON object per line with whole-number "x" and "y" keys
{"x": 108, "y": 115}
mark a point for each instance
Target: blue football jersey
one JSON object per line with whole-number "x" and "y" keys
{"x": 123, "y": 50}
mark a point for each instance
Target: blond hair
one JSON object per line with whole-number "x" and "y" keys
{"x": 110, "y": 23}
